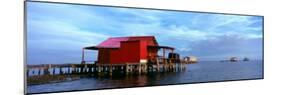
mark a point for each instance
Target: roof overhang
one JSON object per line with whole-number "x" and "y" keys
{"x": 97, "y": 48}
{"x": 162, "y": 47}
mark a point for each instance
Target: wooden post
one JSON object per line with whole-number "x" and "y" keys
{"x": 139, "y": 69}
{"x": 85, "y": 68}
{"x": 145, "y": 69}
{"x": 103, "y": 68}
{"x": 110, "y": 70}
{"x": 45, "y": 71}
{"x": 60, "y": 70}
{"x": 49, "y": 69}
{"x": 181, "y": 67}
{"x": 127, "y": 69}
{"x": 73, "y": 69}
{"x": 157, "y": 65}
{"x": 163, "y": 56}
{"x": 174, "y": 67}
{"x": 39, "y": 70}
{"x": 164, "y": 68}
{"x": 69, "y": 69}
{"x": 54, "y": 71}
{"x": 81, "y": 69}
{"x": 33, "y": 72}
{"x": 90, "y": 69}
{"x": 83, "y": 59}
{"x": 99, "y": 69}
{"x": 95, "y": 69}
{"x": 27, "y": 72}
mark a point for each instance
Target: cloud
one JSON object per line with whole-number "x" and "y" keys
{"x": 58, "y": 42}
{"x": 62, "y": 30}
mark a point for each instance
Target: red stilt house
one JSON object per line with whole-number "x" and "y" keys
{"x": 133, "y": 49}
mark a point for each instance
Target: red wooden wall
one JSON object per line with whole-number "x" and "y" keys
{"x": 129, "y": 52}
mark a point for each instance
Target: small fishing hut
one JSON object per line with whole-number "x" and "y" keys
{"x": 134, "y": 53}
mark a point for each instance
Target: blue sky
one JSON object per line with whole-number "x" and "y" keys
{"x": 56, "y": 33}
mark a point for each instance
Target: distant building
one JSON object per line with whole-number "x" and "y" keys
{"x": 190, "y": 59}
{"x": 246, "y": 59}
{"x": 233, "y": 59}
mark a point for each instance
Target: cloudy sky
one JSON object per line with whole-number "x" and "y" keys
{"x": 56, "y": 33}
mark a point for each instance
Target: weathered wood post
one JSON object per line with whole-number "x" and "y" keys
{"x": 83, "y": 58}
{"x": 61, "y": 72}
{"x": 163, "y": 68}
{"x": 131, "y": 68}
{"x": 124, "y": 69}
{"x": 121, "y": 69}
{"x": 168, "y": 67}
{"x": 95, "y": 69}
{"x": 139, "y": 68}
{"x": 127, "y": 69}
{"x": 49, "y": 69}
{"x": 54, "y": 70}
{"x": 81, "y": 69}
{"x": 181, "y": 67}
{"x": 142, "y": 68}
{"x": 39, "y": 71}
{"x": 99, "y": 69}
{"x": 90, "y": 69}
{"x": 78, "y": 71}
{"x": 84, "y": 68}
{"x": 164, "y": 56}
{"x": 45, "y": 71}
{"x": 33, "y": 72}
{"x": 157, "y": 66}
{"x": 145, "y": 68}
{"x": 110, "y": 70}
{"x": 102, "y": 70}
{"x": 177, "y": 67}
{"x": 68, "y": 69}
{"x": 174, "y": 67}
{"x": 73, "y": 69}
{"x": 27, "y": 72}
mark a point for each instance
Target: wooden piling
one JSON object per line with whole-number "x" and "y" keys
{"x": 68, "y": 70}
{"x": 139, "y": 69}
{"x": 27, "y": 72}
{"x": 60, "y": 70}
{"x": 127, "y": 69}
{"x": 54, "y": 71}
{"x": 39, "y": 71}
{"x": 45, "y": 71}
{"x": 33, "y": 72}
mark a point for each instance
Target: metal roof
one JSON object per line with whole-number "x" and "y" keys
{"x": 115, "y": 42}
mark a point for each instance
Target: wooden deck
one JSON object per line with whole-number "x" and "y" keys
{"x": 102, "y": 69}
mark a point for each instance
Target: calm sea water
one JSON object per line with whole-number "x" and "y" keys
{"x": 204, "y": 71}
